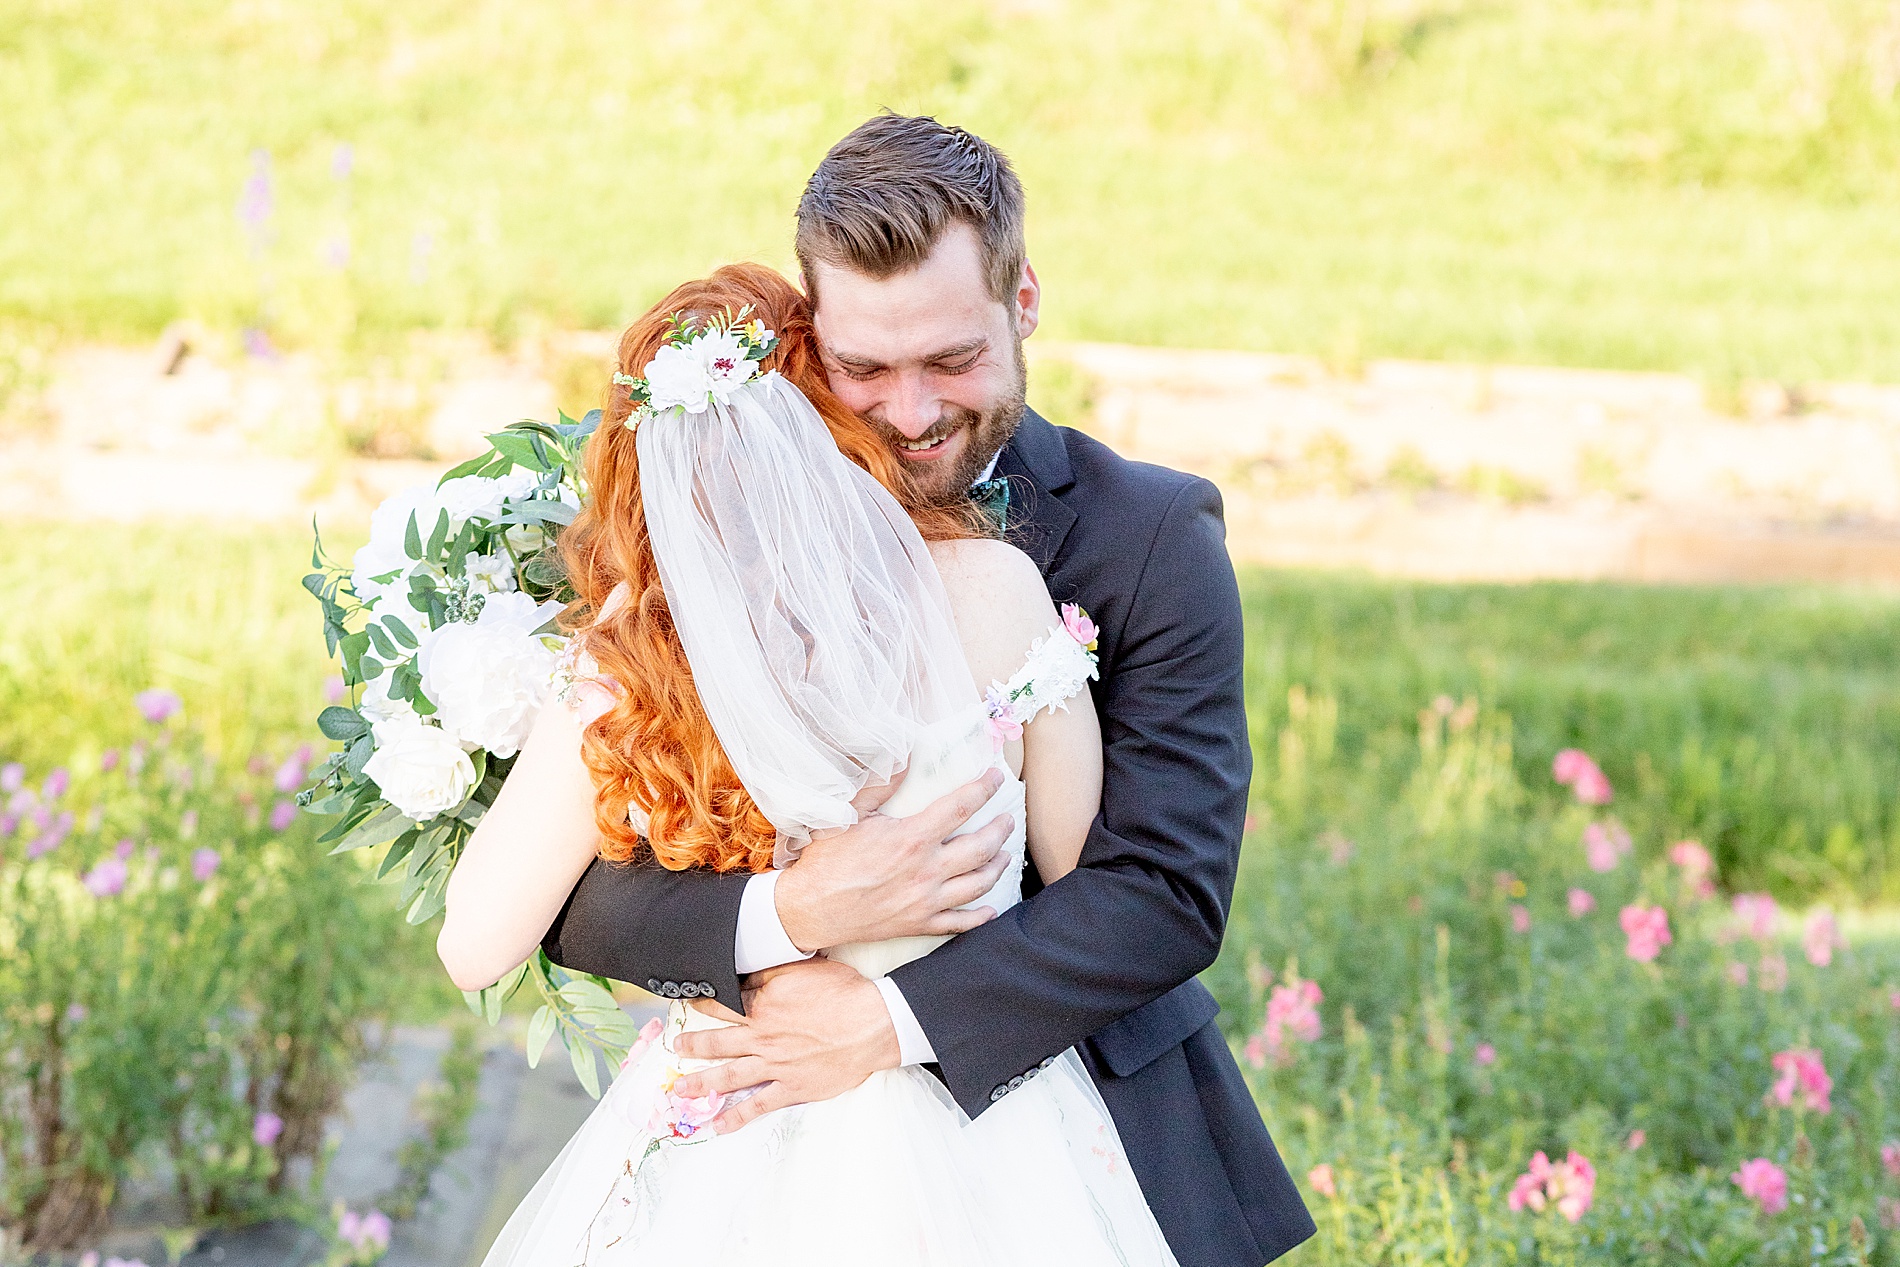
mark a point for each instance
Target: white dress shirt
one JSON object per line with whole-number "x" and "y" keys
{"x": 761, "y": 941}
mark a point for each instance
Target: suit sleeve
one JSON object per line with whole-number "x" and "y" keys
{"x": 1145, "y": 909}
{"x": 639, "y": 922}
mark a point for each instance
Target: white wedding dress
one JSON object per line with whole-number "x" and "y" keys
{"x": 891, "y": 1174}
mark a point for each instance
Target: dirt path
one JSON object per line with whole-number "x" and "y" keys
{"x": 1435, "y": 470}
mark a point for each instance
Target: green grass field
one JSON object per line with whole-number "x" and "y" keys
{"x": 1689, "y": 184}
{"x": 1762, "y": 720}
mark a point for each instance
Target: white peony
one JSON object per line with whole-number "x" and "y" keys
{"x": 489, "y": 679}
{"x": 477, "y": 497}
{"x": 723, "y": 354}
{"x": 420, "y": 769}
{"x": 385, "y": 553}
{"x": 676, "y": 376}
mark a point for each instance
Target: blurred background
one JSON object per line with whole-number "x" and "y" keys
{"x": 1547, "y": 354}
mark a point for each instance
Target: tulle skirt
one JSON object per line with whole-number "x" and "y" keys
{"x": 891, "y": 1174}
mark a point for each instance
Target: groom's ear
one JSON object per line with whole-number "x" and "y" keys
{"x": 1028, "y": 302}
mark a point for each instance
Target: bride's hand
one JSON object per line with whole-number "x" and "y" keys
{"x": 896, "y": 877}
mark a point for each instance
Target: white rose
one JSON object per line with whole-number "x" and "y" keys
{"x": 722, "y": 356}
{"x": 377, "y": 705}
{"x": 421, "y": 770}
{"x": 677, "y": 377}
{"x": 489, "y": 679}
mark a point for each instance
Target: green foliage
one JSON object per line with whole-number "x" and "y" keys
{"x": 1458, "y": 1039}
{"x": 1697, "y": 185}
{"x": 178, "y": 970}
{"x": 1759, "y": 721}
{"x": 442, "y": 1109}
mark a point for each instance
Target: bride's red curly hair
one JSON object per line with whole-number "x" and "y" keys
{"x": 655, "y": 749}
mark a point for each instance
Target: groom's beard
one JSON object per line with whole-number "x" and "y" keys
{"x": 943, "y": 483}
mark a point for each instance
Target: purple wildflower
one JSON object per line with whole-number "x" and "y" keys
{"x": 290, "y": 774}
{"x": 12, "y": 777}
{"x": 157, "y": 704}
{"x": 107, "y": 878}
{"x": 124, "y": 849}
{"x": 265, "y": 1128}
{"x": 188, "y": 824}
{"x": 56, "y": 784}
{"x": 109, "y": 761}
{"x": 282, "y": 815}
{"x": 8, "y": 824}
{"x": 204, "y": 864}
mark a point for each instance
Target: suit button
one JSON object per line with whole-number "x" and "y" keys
{"x": 1016, "y": 1082}
{"x": 997, "y": 1093}
{"x": 1045, "y": 1064}
{"x": 688, "y": 990}
{"x": 705, "y": 990}
{"x": 670, "y": 989}
{"x": 653, "y": 985}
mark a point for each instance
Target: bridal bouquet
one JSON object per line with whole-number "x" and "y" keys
{"x": 445, "y": 627}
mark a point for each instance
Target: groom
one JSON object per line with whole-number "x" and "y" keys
{"x": 910, "y": 236}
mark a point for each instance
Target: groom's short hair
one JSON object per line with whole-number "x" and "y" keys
{"x": 884, "y": 194}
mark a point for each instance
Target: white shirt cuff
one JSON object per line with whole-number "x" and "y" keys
{"x": 913, "y": 1046}
{"x": 761, "y": 941}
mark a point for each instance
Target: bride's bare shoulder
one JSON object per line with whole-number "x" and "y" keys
{"x": 999, "y": 601}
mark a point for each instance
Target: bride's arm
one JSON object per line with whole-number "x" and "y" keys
{"x": 1001, "y": 607}
{"x": 526, "y": 853}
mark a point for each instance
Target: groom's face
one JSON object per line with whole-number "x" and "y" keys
{"x": 930, "y": 357}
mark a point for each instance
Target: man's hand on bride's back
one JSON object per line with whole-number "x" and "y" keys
{"x": 896, "y": 877}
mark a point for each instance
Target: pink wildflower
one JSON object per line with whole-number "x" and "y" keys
{"x": 156, "y": 705}
{"x": 1292, "y": 1013}
{"x": 107, "y": 878}
{"x": 265, "y": 1128}
{"x": 56, "y": 784}
{"x": 1520, "y": 918}
{"x": 1582, "y": 902}
{"x": 1575, "y": 770}
{"x": 1485, "y": 1055}
{"x": 1637, "y": 1139}
{"x": 1763, "y": 1182}
{"x": 204, "y": 864}
{"x": 1256, "y": 1051}
{"x": 1757, "y": 913}
{"x": 1080, "y": 627}
{"x": 188, "y": 824}
{"x": 12, "y": 777}
{"x": 109, "y": 761}
{"x": 1569, "y": 1184}
{"x": 1738, "y": 973}
{"x": 1889, "y": 1213}
{"x": 124, "y": 850}
{"x": 1820, "y": 938}
{"x": 334, "y": 690}
{"x": 282, "y": 815}
{"x": 1647, "y": 928}
{"x": 1772, "y": 973}
{"x": 1604, "y": 845}
{"x": 1890, "y": 1158}
{"x": 1320, "y": 1178}
{"x": 1803, "y": 1076}
{"x": 1697, "y": 867}
{"x": 290, "y": 774}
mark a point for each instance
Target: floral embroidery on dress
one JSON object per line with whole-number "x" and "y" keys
{"x": 573, "y": 669}
{"x": 1052, "y": 675}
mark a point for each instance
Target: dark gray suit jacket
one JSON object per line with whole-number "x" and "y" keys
{"x": 1105, "y": 959}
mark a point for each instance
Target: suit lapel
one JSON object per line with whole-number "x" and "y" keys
{"x": 1037, "y": 465}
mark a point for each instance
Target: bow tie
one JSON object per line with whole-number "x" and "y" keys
{"x": 992, "y": 497}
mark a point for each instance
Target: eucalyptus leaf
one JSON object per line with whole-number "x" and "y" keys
{"x": 376, "y": 830}
{"x": 398, "y": 850}
{"x": 357, "y": 755}
{"x": 438, "y": 536}
{"x": 337, "y": 722}
{"x": 400, "y": 632}
{"x": 412, "y": 539}
{"x": 540, "y": 1029}
{"x": 583, "y": 1057}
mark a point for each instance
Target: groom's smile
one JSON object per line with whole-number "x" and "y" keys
{"x": 930, "y": 357}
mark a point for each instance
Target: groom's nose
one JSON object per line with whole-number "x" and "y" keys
{"x": 914, "y": 406}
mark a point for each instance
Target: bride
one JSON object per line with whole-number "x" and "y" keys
{"x": 765, "y": 642}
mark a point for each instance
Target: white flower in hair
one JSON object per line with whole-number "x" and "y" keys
{"x": 723, "y": 353}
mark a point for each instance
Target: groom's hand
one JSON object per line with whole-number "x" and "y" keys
{"x": 812, "y": 1030}
{"x": 896, "y": 877}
